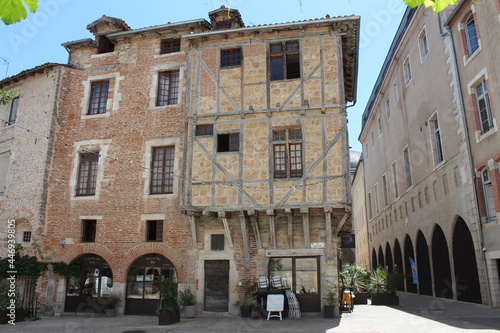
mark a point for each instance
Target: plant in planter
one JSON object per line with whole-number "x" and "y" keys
{"x": 246, "y": 305}
{"x": 331, "y": 307}
{"x": 110, "y": 302}
{"x": 356, "y": 276}
{"x": 188, "y": 300}
{"x": 379, "y": 288}
{"x": 168, "y": 307}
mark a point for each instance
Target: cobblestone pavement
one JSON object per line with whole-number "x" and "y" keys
{"x": 414, "y": 314}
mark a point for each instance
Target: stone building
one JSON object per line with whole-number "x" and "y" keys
{"x": 420, "y": 194}
{"x": 477, "y": 43}
{"x": 26, "y": 139}
{"x": 267, "y": 159}
{"x": 359, "y": 221}
{"x": 115, "y": 189}
{"x": 209, "y": 152}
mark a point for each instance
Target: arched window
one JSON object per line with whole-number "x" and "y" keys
{"x": 471, "y": 35}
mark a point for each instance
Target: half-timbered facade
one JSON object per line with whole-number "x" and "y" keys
{"x": 267, "y": 183}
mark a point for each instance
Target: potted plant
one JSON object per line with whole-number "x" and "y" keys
{"x": 331, "y": 307}
{"x": 110, "y": 303}
{"x": 246, "y": 305}
{"x": 356, "y": 276}
{"x": 188, "y": 301}
{"x": 168, "y": 307}
{"x": 382, "y": 292}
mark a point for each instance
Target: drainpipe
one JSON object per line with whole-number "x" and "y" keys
{"x": 471, "y": 157}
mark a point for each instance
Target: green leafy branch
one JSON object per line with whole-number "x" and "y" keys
{"x": 12, "y": 11}
{"x": 6, "y": 96}
{"x": 437, "y": 5}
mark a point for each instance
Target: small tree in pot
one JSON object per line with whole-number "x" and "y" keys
{"x": 168, "y": 308}
{"x": 246, "y": 305}
{"x": 188, "y": 301}
{"x": 331, "y": 307}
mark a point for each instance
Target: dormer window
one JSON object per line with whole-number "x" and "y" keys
{"x": 224, "y": 25}
{"x": 105, "y": 45}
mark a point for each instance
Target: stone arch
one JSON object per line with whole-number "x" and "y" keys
{"x": 464, "y": 258}
{"x": 441, "y": 264}
{"x": 423, "y": 265}
{"x": 167, "y": 251}
{"x": 374, "y": 260}
{"x": 388, "y": 258}
{"x": 381, "y": 261}
{"x": 398, "y": 262}
{"x": 408, "y": 253}
{"x": 77, "y": 250}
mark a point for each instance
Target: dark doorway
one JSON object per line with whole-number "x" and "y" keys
{"x": 84, "y": 292}
{"x": 441, "y": 264}
{"x": 398, "y": 263}
{"x": 423, "y": 266}
{"x": 388, "y": 258}
{"x": 143, "y": 283}
{"x": 216, "y": 285}
{"x": 381, "y": 262}
{"x": 410, "y": 286}
{"x": 374, "y": 260}
{"x": 464, "y": 257}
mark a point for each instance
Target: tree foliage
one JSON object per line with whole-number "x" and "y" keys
{"x": 437, "y": 5}
{"x": 6, "y": 96}
{"x": 12, "y": 11}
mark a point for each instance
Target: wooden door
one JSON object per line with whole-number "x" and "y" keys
{"x": 216, "y": 285}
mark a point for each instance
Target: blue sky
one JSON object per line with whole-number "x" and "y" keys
{"x": 38, "y": 39}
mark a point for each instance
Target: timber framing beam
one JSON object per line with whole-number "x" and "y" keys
{"x": 341, "y": 224}
{"x": 227, "y": 231}
{"x": 272, "y": 228}
{"x": 246, "y": 241}
{"x": 305, "y": 224}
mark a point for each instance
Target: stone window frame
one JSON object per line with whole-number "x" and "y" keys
{"x": 480, "y": 78}
{"x": 5, "y": 157}
{"x": 146, "y": 175}
{"x": 101, "y": 146}
{"x": 407, "y": 73}
{"x": 394, "y": 168}
{"x": 232, "y": 57}
{"x": 155, "y": 82}
{"x": 385, "y": 190}
{"x": 170, "y": 45}
{"x": 408, "y": 168}
{"x": 436, "y": 139}
{"x": 281, "y": 69}
{"x": 87, "y": 174}
{"x": 89, "y": 230}
{"x": 168, "y": 88}
{"x": 487, "y": 197}
{"x": 464, "y": 38}
{"x": 290, "y": 142}
{"x": 228, "y": 142}
{"x": 14, "y": 107}
{"x": 423, "y": 44}
{"x": 154, "y": 230}
{"x": 113, "y": 97}
{"x": 165, "y": 183}
{"x": 215, "y": 246}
